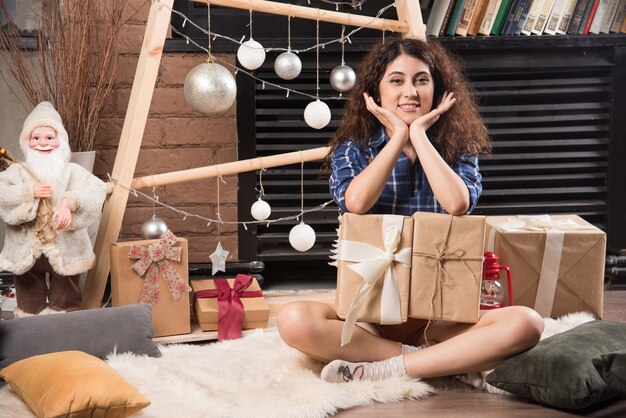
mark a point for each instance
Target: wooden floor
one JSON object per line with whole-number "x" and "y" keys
{"x": 449, "y": 404}
{"x": 485, "y": 405}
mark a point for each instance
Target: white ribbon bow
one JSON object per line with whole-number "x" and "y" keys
{"x": 372, "y": 264}
{"x": 548, "y": 277}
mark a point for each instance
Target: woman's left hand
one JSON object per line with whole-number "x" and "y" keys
{"x": 424, "y": 122}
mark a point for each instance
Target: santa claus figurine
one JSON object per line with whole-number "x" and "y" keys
{"x": 47, "y": 203}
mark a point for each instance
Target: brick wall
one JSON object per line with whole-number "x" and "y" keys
{"x": 175, "y": 138}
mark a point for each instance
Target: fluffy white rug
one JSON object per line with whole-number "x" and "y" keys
{"x": 257, "y": 376}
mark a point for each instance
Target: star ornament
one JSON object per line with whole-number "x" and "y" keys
{"x": 218, "y": 259}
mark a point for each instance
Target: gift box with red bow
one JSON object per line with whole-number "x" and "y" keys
{"x": 230, "y": 305}
{"x": 155, "y": 272}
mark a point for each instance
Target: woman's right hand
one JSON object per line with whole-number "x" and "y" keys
{"x": 392, "y": 122}
{"x": 42, "y": 190}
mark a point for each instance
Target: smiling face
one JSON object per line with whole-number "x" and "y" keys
{"x": 43, "y": 139}
{"x": 407, "y": 88}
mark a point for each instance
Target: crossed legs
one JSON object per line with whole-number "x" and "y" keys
{"x": 314, "y": 329}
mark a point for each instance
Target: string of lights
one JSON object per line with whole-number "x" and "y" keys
{"x": 345, "y": 38}
{"x": 209, "y": 221}
{"x": 354, "y": 4}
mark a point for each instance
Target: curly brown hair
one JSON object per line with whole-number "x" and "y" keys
{"x": 459, "y": 130}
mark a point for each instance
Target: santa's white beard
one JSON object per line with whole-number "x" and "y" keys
{"x": 50, "y": 168}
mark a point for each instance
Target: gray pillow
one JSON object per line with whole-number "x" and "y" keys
{"x": 612, "y": 368}
{"x": 96, "y": 331}
{"x": 559, "y": 371}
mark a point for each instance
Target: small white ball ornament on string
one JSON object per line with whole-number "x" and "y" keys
{"x": 261, "y": 210}
{"x": 302, "y": 237}
{"x": 251, "y": 54}
{"x": 317, "y": 114}
{"x": 210, "y": 88}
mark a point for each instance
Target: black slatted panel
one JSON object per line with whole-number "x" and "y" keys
{"x": 549, "y": 124}
{"x": 550, "y": 133}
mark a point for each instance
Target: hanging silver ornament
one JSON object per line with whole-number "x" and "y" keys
{"x": 317, "y": 114}
{"x": 342, "y": 78}
{"x": 260, "y": 210}
{"x": 251, "y": 54}
{"x": 302, "y": 237}
{"x": 218, "y": 259}
{"x": 153, "y": 228}
{"x": 210, "y": 89}
{"x": 288, "y": 65}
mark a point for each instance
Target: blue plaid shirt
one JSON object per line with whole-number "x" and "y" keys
{"x": 407, "y": 190}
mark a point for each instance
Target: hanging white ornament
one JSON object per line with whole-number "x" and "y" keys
{"x": 260, "y": 210}
{"x": 317, "y": 114}
{"x": 342, "y": 78}
{"x": 210, "y": 89}
{"x": 288, "y": 65}
{"x": 218, "y": 259}
{"x": 153, "y": 228}
{"x": 251, "y": 54}
{"x": 302, "y": 237}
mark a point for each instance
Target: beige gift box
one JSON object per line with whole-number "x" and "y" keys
{"x": 364, "y": 236}
{"x": 256, "y": 310}
{"x": 170, "y": 317}
{"x": 446, "y": 269}
{"x": 573, "y": 272}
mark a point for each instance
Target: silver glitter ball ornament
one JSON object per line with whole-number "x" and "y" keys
{"x": 153, "y": 228}
{"x": 288, "y": 65}
{"x": 317, "y": 114}
{"x": 251, "y": 54}
{"x": 210, "y": 89}
{"x": 342, "y": 78}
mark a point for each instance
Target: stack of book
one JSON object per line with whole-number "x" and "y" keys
{"x": 526, "y": 17}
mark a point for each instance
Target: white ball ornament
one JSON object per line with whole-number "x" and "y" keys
{"x": 317, "y": 114}
{"x": 210, "y": 89}
{"x": 153, "y": 228}
{"x": 302, "y": 237}
{"x": 251, "y": 54}
{"x": 288, "y": 65}
{"x": 342, "y": 78}
{"x": 260, "y": 210}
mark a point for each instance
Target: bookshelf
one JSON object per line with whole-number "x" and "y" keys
{"x": 460, "y": 18}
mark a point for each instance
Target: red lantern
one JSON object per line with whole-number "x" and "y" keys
{"x": 491, "y": 292}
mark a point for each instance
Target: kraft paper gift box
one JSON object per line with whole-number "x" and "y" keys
{"x": 170, "y": 316}
{"x": 373, "y": 259}
{"x": 556, "y": 261}
{"x": 256, "y": 311}
{"x": 446, "y": 269}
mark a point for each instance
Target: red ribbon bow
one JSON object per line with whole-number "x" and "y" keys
{"x": 229, "y": 307}
{"x": 153, "y": 260}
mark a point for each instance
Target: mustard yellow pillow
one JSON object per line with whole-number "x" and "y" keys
{"x": 72, "y": 384}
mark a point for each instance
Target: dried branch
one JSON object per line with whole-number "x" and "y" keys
{"x": 74, "y": 65}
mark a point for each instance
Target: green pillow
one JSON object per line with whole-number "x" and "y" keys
{"x": 559, "y": 371}
{"x": 612, "y": 368}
